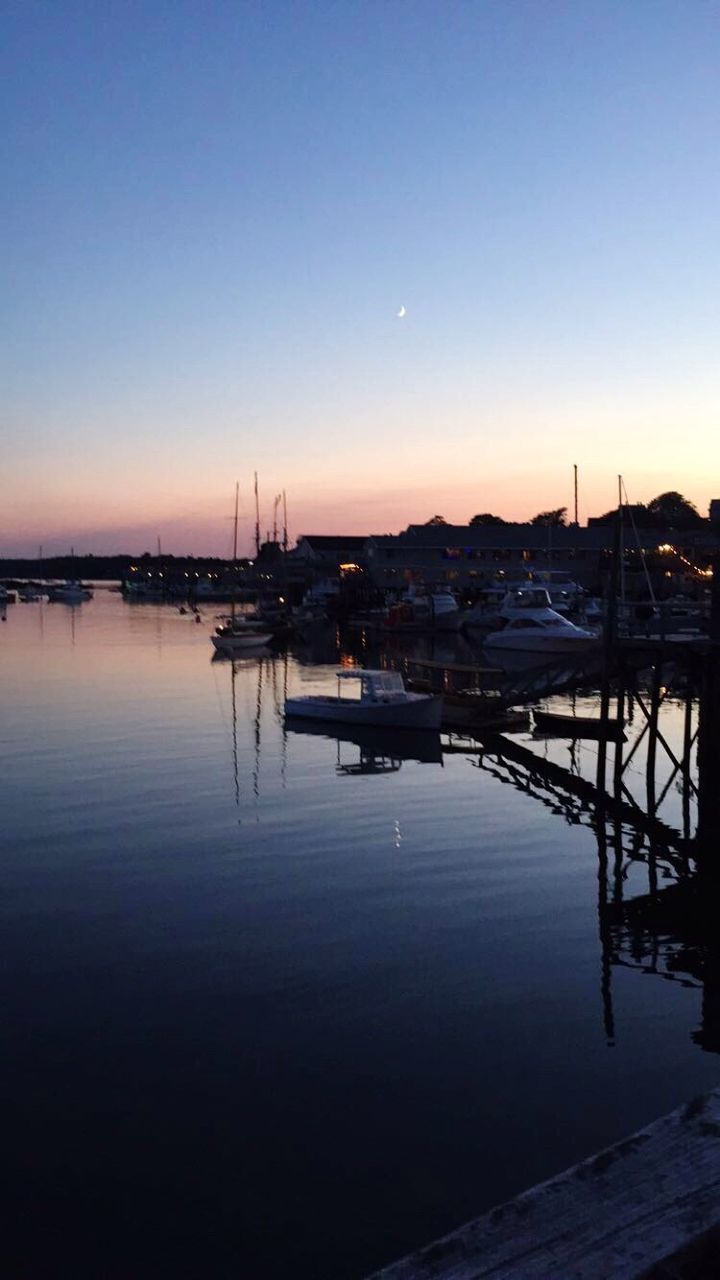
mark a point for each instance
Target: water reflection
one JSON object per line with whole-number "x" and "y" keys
{"x": 379, "y": 750}
{"x": 257, "y": 1001}
{"x": 666, "y": 926}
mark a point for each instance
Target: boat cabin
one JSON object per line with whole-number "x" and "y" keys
{"x": 377, "y": 686}
{"x": 539, "y": 623}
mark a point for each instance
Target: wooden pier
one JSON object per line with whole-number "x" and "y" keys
{"x": 647, "y": 1208}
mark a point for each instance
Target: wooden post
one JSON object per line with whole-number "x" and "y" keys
{"x": 708, "y": 834}
{"x": 652, "y": 739}
{"x": 609, "y": 638}
{"x": 687, "y": 748}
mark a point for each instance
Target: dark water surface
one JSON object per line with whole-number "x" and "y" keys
{"x": 265, "y": 1016}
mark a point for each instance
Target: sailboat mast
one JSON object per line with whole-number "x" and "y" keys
{"x": 285, "y": 537}
{"x": 257, "y": 518}
{"x": 576, "y": 492}
{"x": 621, "y": 540}
{"x": 234, "y": 575}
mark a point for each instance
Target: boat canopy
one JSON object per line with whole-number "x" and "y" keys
{"x": 375, "y": 681}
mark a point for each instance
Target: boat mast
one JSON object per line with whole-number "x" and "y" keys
{"x": 576, "y": 492}
{"x": 257, "y": 519}
{"x": 285, "y": 537}
{"x": 234, "y": 578}
{"x": 621, "y": 540}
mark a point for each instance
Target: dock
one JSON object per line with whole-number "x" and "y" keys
{"x": 647, "y": 1208}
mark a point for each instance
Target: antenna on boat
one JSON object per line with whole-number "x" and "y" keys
{"x": 257, "y": 518}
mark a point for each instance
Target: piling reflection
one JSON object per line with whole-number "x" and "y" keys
{"x": 651, "y": 798}
{"x": 636, "y": 763}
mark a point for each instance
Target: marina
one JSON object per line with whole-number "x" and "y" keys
{"x": 360, "y": 642}
{"x": 304, "y": 975}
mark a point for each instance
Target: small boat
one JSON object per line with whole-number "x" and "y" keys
{"x": 70, "y": 592}
{"x": 31, "y": 591}
{"x": 236, "y": 635}
{"x": 424, "y": 609}
{"x": 566, "y": 726}
{"x": 383, "y": 700}
{"x": 541, "y": 631}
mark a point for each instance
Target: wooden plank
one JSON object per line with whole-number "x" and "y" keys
{"x": 435, "y": 664}
{"x": 619, "y": 1214}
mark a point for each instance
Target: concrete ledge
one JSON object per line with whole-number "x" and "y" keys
{"x": 644, "y": 1207}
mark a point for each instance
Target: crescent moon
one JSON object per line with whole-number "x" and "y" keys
{"x": 401, "y": 313}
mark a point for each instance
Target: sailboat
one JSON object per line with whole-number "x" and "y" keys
{"x": 238, "y": 633}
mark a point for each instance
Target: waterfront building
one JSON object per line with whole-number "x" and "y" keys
{"x": 470, "y": 556}
{"x": 327, "y": 554}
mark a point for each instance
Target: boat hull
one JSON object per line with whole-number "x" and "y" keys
{"x": 238, "y": 644}
{"x": 421, "y": 712}
{"x": 566, "y": 726}
{"x": 61, "y": 596}
{"x": 542, "y": 644}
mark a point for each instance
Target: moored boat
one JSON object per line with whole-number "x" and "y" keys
{"x": 70, "y": 592}
{"x": 560, "y": 725}
{"x": 236, "y": 635}
{"x": 383, "y": 700}
{"x": 541, "y": 631}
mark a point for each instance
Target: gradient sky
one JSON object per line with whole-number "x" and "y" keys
{"x": 213, "y": 211}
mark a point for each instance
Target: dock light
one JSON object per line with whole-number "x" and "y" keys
{"x": 665, "y": 547}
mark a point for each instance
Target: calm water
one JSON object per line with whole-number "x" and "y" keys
{"x": 266, "y": 1015}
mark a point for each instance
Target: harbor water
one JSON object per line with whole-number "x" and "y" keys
{"x": 280, "y": 1003}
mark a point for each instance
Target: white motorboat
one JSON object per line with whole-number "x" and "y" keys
{"x": 565, "y": 594}
{"x": 383, "y": 700}
{"x": 498, "y": 605}
{"x": 70, "y": 592}
{"x": 541, "y": 631}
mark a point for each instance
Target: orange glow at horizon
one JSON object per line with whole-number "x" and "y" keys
{"x": 204, "y": 526}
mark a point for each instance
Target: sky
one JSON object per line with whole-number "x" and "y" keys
{"x": 213, "y": 212}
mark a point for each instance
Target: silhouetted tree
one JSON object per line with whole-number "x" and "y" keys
{"x": 672, "y": 511}
{"x": 637, "y": 510}
{"x": 551, "y": 519}
{"x": 436, "y": 520}
{"x": 485, "y": 519}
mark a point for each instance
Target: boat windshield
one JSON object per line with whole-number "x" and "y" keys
{"x": 378, "y": 684}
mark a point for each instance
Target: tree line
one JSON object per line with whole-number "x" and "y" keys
{"x": 668, "y": 511}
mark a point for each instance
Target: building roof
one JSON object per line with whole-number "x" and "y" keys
{"x": 512, "y": 537}
{"x": 328, "y": 542}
